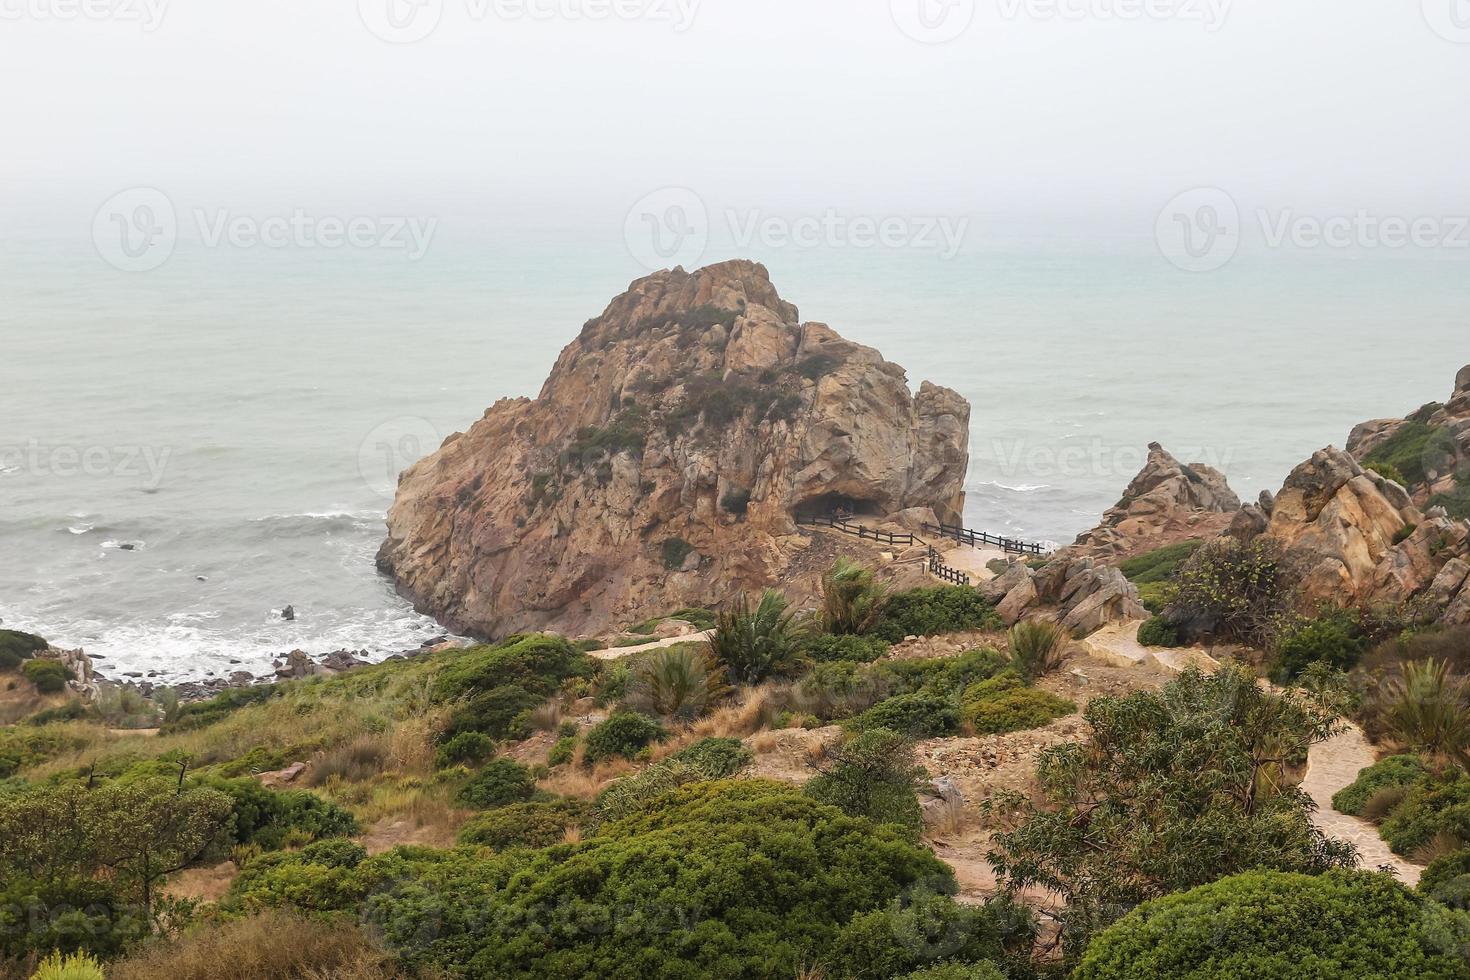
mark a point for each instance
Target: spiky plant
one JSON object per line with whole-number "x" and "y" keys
{"x": 1429, "y": 710}
{"x": 1036, "y": 647}
{"x": 755, "y": 643}
{"x": 74, "y": 966}
{"x": 680, "y": 682}
{"x": 852, "y": 602}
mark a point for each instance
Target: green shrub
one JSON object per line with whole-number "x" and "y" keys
{"x": 627, "y": 432}
{"x": 1159, "y": 565}
{"x": 825, "y": 647}
{"x": 1407, "y": 449}
{"x": 49, "y": 676}
{"x": 201, "y": 714}
{"x": 873, "y": 774}
{"x": 852, "y": 600}
{"x": 318, "y": 878}
{"x": 1156, "y": 596}
{"x": 1432, "y": 807}
{"x": 1005, "y": 704}
{"x": 930, "y": 611}
{"x": 466, "y": 748}
{"x": 730, "y": 879}
{"x": 1387, "y": 472}
{"x": 500, "y": 685}
{"x": 1333, "y": 639}
{"x": 266, "y": 817}
{"x": 501, "y": 783}
{"x": 529, "y": 825}
{"x": 957, "y": 971}
{"x": 1235, "y": 591}
{"x": 1157, "y": 631}
{"x": 717, "y": 758}
{"x": 1404, "y": 533}
{"x": 736, "y": 500}
{"x": 926, "y": 928}
{"x": 625, "y": 734}
{"x": 1396, "y": 770}
{"x": 75, "y": 966}
{"x": 16, "y": 646}
{"x": 946, "y": 675}
{"x": 1447, "y": 879}
{"x": 674, "y": 551}
{"x": 1342, "y": 925}
{"x": 562, "y": 752}
{"x": 917, "y": 715}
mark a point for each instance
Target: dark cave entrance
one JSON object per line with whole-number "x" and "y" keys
{"x": 838, "y": 505}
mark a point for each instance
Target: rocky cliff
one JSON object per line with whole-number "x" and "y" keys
{"x": 664, "y": 461}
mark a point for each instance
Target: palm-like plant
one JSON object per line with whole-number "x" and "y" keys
{"x": 753, "y": 644}
{"x": 1429, "y": 709}
{"x": 852, "y": 602}
{"x": 679, "y": 682}
{"x": 1037, "y": 647}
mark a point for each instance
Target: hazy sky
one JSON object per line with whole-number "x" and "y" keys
{"x": 1064, "y": 108}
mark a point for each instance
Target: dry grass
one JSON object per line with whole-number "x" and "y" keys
{"x": 818, "y": 750}
{"x": 765, "y": 742}
{"x": 268, "y": 946}
{"x": 582, "y": 783}
{"x": 546, "y": 717}
{"x": 356, "y": 761}
{"x": 1383, "y": 802}
{"x": 1440, "y": 845}
{"x": 753, "y": 714}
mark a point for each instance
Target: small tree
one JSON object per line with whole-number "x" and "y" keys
{"x": 679, "y": 682}
{"x": 1172, "y": 789}
{"x": 754, "y": 644}
{"x": 874, "y": 774}
{"x": 1235, "y": 591}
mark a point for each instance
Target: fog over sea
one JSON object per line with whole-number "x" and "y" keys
{"x": 185, "y": 451}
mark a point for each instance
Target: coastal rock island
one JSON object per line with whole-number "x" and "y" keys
{"x": 665, "y": 461}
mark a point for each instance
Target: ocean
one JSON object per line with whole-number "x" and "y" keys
{"x": 186, "y": 451}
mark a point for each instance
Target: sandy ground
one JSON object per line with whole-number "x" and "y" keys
{"x": 618, "y": 653}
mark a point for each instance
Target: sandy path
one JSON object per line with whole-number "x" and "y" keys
{"x": 618, "y": 653}
{"x": 1331, "y": 765}
{"x": 972, "y": 561}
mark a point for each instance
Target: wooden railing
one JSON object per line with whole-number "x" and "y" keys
{"x": 978, "y": 538}
{"x": 936, "y": 565}
{"x": 857, "y": 530}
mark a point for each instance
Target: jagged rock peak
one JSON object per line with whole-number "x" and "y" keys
{"x": 663, "y": 461}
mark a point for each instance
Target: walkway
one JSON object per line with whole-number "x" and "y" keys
{"x": 618, "y": 653}
{"x": 1331, "y": 765}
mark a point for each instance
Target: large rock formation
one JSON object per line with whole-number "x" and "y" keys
{"x": 1428, "y": 451}
{"x": 663, "y": 461}
{"x": 1166, "y": 502}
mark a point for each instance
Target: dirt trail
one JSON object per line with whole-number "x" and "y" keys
{"x": 1331, "y": 765}
{"x": 618, "y": 653}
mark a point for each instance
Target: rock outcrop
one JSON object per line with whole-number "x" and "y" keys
{"x": 664, "y": 461}
{"x": 1167, "y": 501}
{"x": 1428, "y": 451}
{"x": 1080, "y": 593}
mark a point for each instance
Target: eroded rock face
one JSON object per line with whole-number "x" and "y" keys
{"x": 1167, "y": 501}
{"x": 663, "y": 461}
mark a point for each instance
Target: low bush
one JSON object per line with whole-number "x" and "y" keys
{"x": 501, "y": 783}
{"x": 16, "y": 646}
{"x": 1005, "y": 704}
{"x": 625, "y": 734}
{"x": 969, "y": 940}
{"x": 49, "y": 676}
{"x": 717, "y": 758}
{"x": 563, "y": 750}
{"x": 1334, "y": 638}
{"x": 1447, "y": 879}
{"x": 1341, "y": 925}
{"x": 917, "y": 715}
{"x": 1406, "y": 451}
{"x": 1396, "y": 770}
{"x": 466, "y": 748}
{"x": 873, "y": 774}
{"x": 1159, "y": 565}
{"x": 736, "y": 500}
{"x": 673, "y": 552}
{"x": 74, "y": 966}
{"x": 498, "y": 687}
{"x": 679, "y": 682}
{"x": 930, "y": 611}
{"x": 267, "y": 817}
{"x": 1432, "y": 807}
{"x": 1157, "y": 631}
{"x": 955, "y": 970}
{"x": 529, "y": 825}
{"x": 825, "y": 648}
{"x": 1156, "y": 596}
{"x": 1235, "y": 591}
{"x": 318, "y": 878}
{"x": 201, "y": 714}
